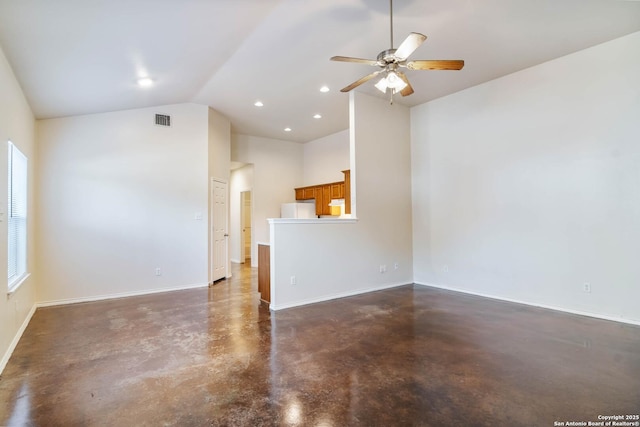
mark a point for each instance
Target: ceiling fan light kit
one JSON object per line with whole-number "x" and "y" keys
{"x": 390, "y": 81}
{"x": 391, "y": 60}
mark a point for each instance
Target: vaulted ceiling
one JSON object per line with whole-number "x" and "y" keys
{"x": 79, "y": 57}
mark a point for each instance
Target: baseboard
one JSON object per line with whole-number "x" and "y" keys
{"x": 16, "y": 339}
{"x": 334, "y": 296}
{"x": 548, "y": 307}
{"x": 118, "y": 295}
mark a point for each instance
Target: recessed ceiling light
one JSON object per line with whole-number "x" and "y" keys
{"x": 317, "y": 116}
{"x": 145, "y": 81}
{"x": 324, "y": 89}
{"x": 258, "y": 104}
{"x": 287, "y": 129}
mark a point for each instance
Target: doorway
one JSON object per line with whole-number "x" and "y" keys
{"x": 245, "y": 223}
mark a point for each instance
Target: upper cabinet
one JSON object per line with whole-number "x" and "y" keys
{"x": 337, "y": 190}
{"x": 306, "y": 193}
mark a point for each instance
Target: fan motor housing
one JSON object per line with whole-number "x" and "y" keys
{"x": 387, "y": 56}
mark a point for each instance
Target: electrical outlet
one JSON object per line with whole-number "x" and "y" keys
{"x": 158, "y": 272}
{"x": 383, "y": 268}
{"x": 445, "y": 268}
{"x": 586, "y": 287}
{"x": 293, "y": 280}
{"x": 396, "y": 266}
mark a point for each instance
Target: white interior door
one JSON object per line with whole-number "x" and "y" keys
{"x": 219, "y": 232}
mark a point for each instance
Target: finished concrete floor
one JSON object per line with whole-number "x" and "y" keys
{"x": 402, "y": 357}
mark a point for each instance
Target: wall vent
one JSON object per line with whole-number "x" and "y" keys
{"x": 163, "y": 120}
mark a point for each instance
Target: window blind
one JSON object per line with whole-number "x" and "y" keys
{"x": 17, "y": 215}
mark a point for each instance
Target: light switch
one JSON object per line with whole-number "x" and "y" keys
{"x": 198, "y": 216}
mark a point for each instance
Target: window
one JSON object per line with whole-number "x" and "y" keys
{"x": 17, "y": 216}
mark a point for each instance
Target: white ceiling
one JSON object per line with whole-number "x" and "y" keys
{"x": 78, "y": 57}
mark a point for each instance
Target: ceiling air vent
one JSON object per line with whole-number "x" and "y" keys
{"x": 163, "y": 120}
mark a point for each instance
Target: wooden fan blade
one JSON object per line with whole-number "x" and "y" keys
{"x": 359, "y": 82}
{"x": 409, "y": 45}
{"x": 444, "y": 64}
{"x": 358, "y": 60}
{"x": 408, "y": 90}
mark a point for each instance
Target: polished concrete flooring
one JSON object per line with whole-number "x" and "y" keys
{"x": 401, "y": 357}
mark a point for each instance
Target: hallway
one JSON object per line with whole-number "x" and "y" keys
{"x": 405, "y": 356}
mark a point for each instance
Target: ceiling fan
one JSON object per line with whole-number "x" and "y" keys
{"x": 391, "y": 60}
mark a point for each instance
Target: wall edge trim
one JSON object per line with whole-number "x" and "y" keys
{"x": 16, "y": 338}
{"x": 53, "y": 303}
{"x": 532, "y": 304}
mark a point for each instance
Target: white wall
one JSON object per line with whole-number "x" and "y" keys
{"x": 334, "y": 258}
{"x": 219, "y": 145}
{"x": 16, "y": 124}
{"x": 241, "y": 180}
{"x": 326, "y": 158}
{"x": 277, "y": 171}
{"x": 528, "y": 186}
{"x": 118, "y": 197}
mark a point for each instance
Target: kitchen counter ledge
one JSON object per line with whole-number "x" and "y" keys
{"x": 312, "y": 220}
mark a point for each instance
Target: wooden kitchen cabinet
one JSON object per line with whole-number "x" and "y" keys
{"x": 324, "y": 193}
{"x": 309, "y": 193}
{"x": 337, "y": 190}
{"x": 326, "y": 199}
{"x": 319, "y": 200}
{"x": 347, "y": 191}
{"x": 306, "y": 193}
{"x": 264, "y": 272}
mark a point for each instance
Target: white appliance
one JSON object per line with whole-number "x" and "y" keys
{"x": 298, "y": 210}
